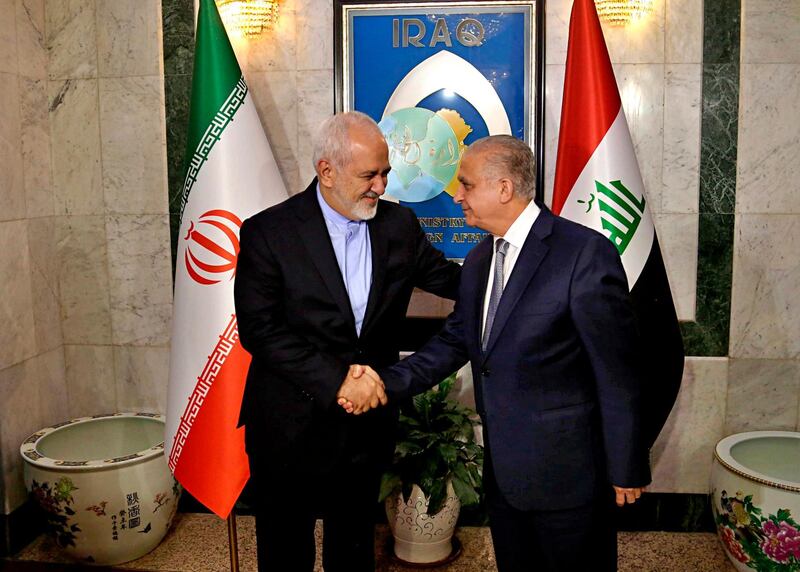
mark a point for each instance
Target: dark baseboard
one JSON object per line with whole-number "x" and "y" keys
{"x": 20, "y": 528}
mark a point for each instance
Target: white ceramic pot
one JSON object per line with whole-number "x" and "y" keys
{"x": 104, "y": 484}
{"x": 755, "y": 491}
{"x": 420, "y": 538}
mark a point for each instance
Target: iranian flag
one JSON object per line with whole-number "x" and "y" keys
{"x": 598, "y": 184}
{"x": 231, "y": 175}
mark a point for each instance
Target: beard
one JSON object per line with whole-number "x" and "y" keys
{"x": 364, "y": 211}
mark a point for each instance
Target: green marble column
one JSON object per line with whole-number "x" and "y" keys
{"x": 178, "y": 35}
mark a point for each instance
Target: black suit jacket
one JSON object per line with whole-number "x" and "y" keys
{"x": 558, "y": 388}
{"x": 295, "y": 319}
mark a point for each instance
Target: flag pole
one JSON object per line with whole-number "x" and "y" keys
{"x": 233, "y": 543}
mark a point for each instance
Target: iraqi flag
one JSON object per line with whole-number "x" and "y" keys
{"x": 598, "y": 184}
{"x": 231, "y": 175}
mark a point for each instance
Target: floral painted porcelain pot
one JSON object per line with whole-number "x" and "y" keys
{"x": 755, "y": 489}
{"x": 104, "y": 485}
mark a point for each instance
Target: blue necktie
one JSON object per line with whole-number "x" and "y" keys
{"x": 497, "y": 290}
{"x": 357, "y": 279}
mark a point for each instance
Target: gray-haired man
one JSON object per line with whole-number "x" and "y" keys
{"x": 323, "y": 281}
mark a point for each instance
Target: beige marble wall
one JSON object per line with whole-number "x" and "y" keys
{"x": 109, "y": 166}
{"x": 32, "y": 371}
{"x": 764, "y": 383}
{"x": 84, "y": 228}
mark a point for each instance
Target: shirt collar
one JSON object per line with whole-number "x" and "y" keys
{"x": 332, "y": 216}
{"x": 519, "y": 229}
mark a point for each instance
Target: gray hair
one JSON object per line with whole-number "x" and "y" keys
{"x": 507, "y": 156}
{"x": 332, "y": 141}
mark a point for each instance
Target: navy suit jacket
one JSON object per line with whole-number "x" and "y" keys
{"x": 558, "y": 387}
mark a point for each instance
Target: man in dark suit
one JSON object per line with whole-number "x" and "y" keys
{"x": 544, "y": 317}
{"x": 323, "y": 280}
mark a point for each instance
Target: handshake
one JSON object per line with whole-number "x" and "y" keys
{"x": 361, "y": 390}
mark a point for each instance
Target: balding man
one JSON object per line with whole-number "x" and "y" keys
{"x": 543, "y": 316}
{"x": 323, "y": 280}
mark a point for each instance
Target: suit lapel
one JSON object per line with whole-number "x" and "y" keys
{"x": 314, "y": 234}
{"x": 379, "y": 243}
{"x": 530, "y": 257}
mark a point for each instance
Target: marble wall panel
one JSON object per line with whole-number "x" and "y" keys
{"x": 31, "y": 45}
{"x": 683, "y": 31}
{"x": 45, "y": 291}
{"x": 682, "y": 454}
{"x": 71, "y": 33}
{"x": 12, "y": 188}
{"x": 91, "y": 389}
{"x": 51, "y": 378}
{"x": 18, "y": 393}
{"x": 766, "y": 272}
{"x": 314, "y": 35}
{"x": 275, "y": 96}
{"x": 314, "y": 105}
{"x": 8, "y": 38}
{"x": 762, "y": 395}
{"x": 17, "y": 341}
{"x": 75, "y": 133}
{"x": 557, "y": 16}
{"x": 25, "y": 393}
{"x": 35, "y": 136}
{"x": 677, "y": 236}
{"x": 273, "y": 50}
{"x": 128, "y": 38}
{"x": 639, "y": 42}
{"x": 140, "y": 279}
{"x": 133, "y": 144}
{"x": 554, "y": 93}
{"x": 681, "y": 162}
{"x": 83, "y": 280}
{"x": 769, "y": 139}
{"x": 771, "y": 32}
{"x": 142, "y": 378}
{"x": 641, "y": 88}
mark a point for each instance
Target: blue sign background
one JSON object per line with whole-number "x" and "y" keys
{"x": 378, "y": 68}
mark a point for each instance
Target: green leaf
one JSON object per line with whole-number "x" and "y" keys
{"x": 465, "y": 492}
{"x": 437, "y": 497}
{"x": 390, "y": 482}
{"x": 783, "y": 514}
{"x": 449, "y": 453}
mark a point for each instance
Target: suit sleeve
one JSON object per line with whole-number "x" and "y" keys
{"x": 433, "y": 273}
{"x": 260, "y": 311}
{"x": 443, "y": 354}
{"x": 602, "y": 312}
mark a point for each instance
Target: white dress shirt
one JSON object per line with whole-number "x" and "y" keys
{"x": 515, "y": 236}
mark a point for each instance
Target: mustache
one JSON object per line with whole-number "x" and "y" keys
{"x": 370, "y": 195}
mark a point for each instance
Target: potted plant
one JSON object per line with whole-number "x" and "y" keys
{"x": 436, "y": 469}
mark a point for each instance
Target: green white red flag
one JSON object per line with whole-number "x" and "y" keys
{"x": 598, "y": 184}
{"x": 231, "y": 175}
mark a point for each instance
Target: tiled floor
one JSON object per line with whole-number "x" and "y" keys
{"x": 198, "y": 542}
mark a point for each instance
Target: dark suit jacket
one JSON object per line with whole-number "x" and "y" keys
{"x": 558, "y": 388}
{"x": 295, "y": 319}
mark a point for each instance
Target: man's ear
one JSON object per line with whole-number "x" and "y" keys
{"x": 325, "y": 173}
{"x": 506, "y": 191}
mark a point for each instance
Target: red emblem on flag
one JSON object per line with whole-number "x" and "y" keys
{"x": 213, "y": 246}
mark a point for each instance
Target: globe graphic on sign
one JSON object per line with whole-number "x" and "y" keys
{"x": 423, "y": 151}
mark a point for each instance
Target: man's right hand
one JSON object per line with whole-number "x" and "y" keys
{"x": 361, "y": 390}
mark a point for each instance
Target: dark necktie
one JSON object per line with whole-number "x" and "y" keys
{"x": 497, "y": 290}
